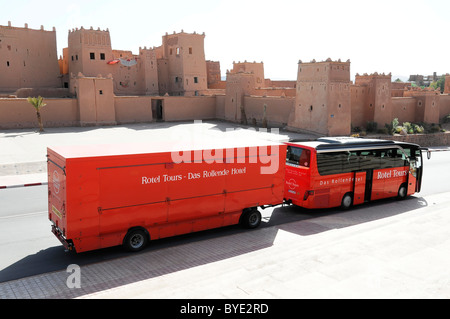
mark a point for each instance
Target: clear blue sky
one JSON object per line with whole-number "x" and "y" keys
{"x": 399, "y": 36}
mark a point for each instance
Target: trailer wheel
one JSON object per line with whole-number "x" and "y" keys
{"x": 135, "y": 240}
{"x": 402, "y": 192}
{"x": 251, "y": 218}
{"x": 347, "y": 201}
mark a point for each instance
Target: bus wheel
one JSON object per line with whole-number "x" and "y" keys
{"x": 402, "y": 192}
{"x": 251, "y": 218}
{"x": 347, "y": 201}
{"x": 135, "y": 240}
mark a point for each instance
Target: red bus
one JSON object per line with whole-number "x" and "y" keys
{"x": 346, "y": 171}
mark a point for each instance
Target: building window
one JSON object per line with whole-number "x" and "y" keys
{"x": 100, "y": 92}
{"x": 92, "y": 55}
{"x": 76, "y": 57}
{"x": 170, "y": 51}
{"x": 7, "y": 63}
{"x": 102, "y": 56}
{"x": 72, "y": 57}
{"x": 178, "y": 51}
{"x": 190, "y": 50}
{"x": 195, "y": 79}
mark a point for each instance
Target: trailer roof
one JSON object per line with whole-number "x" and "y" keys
{"x": 153, "y": 147}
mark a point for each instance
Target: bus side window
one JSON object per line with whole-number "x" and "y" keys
{"x": 288, "y": 153}
{"x": 386, "y": 159}
{"x": 298, "y": 156}
{"x": 368, "y": 160}
{"x": 352, "y": 162}
{"x": 397, "y": 156}
{"x": 331, "y": 163}
{"x": 305, "y": 158}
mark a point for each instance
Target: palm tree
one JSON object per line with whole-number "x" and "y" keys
{"x": 37, "y": 103}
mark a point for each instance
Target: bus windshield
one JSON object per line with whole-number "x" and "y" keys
{"x": 297, "y": 156}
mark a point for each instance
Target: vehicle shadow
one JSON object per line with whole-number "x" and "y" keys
{"x": 312, "y": 222}
{"x": 113, "y": 267}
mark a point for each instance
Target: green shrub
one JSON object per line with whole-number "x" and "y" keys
{"x": 418, "y": 128}
{"x": 407, "y": 126}
{"x": 395, "y": 122}
{"x": 398, "y": 129}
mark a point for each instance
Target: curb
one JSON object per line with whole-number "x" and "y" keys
{"x": 23, "y": 185}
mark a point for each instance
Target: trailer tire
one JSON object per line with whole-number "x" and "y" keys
{"x": 402, "y": 192}
{"x": 135, "y": 240}
{"x": 251, "y": 218}
{"x": 347, "y": 201}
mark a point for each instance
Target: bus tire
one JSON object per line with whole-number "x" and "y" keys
{"x": 347, "y": 201}
{"x": 136, "y": 239}
{"x": 251, "y": 218}
{"x": 402, "y": 192}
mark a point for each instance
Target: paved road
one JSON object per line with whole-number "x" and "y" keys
{"x": 387, "y": 249}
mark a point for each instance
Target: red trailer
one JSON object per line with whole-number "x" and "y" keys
{"x": 103, "y": 196}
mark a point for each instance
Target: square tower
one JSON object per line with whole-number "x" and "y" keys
{"x": 28, "y": 58}
{"x": 89, "y": 51}
{"x": 323, "y": 101}
{"x": 183, "y": 54}
{"x": 378, "y": 97}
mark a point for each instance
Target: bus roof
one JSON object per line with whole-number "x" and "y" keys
{"x": 345, "y": 142}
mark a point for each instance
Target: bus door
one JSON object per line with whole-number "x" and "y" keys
{"x": 369, "y": 182}
{"x": 367, "y": 162}
{"x": 415, "y": 169}
{"x": 362, "y": 186}
{"x": 419, "y": 168}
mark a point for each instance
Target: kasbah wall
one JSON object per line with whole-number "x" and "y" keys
{"x": 92, "y": 84}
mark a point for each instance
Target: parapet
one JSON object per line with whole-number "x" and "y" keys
{"x": 27, "y": 28}
{"x": 326, "y": 61}
{"x": 90, "y": 29}
{"x": 375, "y": 75}
{"x": 182, "y": 32}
